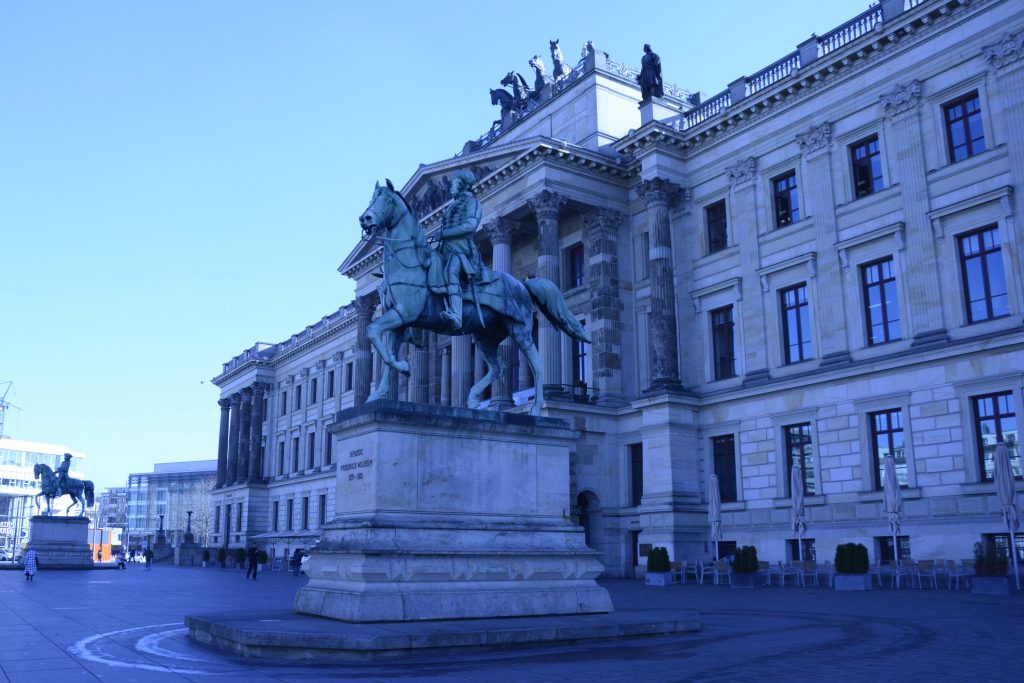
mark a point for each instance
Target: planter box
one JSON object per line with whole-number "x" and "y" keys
{"x": 992, "y": 585}
{"x": 744, "y": 579}
{"x": 658, "y": 579}
{"x": 852, "y": 582}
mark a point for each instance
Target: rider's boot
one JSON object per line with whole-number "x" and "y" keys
{"x": 453, "y": 314}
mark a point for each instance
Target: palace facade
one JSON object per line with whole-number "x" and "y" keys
{"x": 820, "y": 265}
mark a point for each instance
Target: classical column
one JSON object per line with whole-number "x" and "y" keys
{"x": 222, "y": 444}
{"x": 256, "y": 432}
{"x": 905, "y": 149}
{"x": 232, "y": 470}
{"x": 500, "y": 232}
{"x": 245, "y": 425}
{"x": 364, "y": 307}
{"x": 546, "y": 205}
{"x": 446, "y": 376}
{"x": 1006, "y": 60}
{"x": 600, "y": 236}
{"x": 829, "y": 299}
{"x": 462, "y": 370}
{"x": 663, "y": 343}
{"x": 419, "y": 380}
{"x": 745, "y": 232}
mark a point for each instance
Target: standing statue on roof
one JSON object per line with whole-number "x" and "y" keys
{"x": 559, "y": 69}
{"x": 457, "y": 248}
{"x": 650, "y": 75}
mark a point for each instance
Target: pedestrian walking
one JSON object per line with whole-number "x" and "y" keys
{"x": 253, "y": 557}
{"x": 31, "y": 564}
{"x": 296, "y": 561}
{"x": 148, "y": 554}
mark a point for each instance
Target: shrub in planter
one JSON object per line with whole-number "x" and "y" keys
{"x": 852, "y": 568}
{"x": 745, "y": 560}
{"x": 261, "y": 556}
{"x": 658, "y": 567}
{"x": 206, "y": 554}
{"x": 222, "y": 556}
{"x": 239, "y": 557}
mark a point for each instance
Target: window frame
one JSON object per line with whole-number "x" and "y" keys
{"x": 785, "y": 200}
{"x": 806, "y": 443}
{"x": 718, "y": 331}
{"x": 575, "y": 266}
{"x": 878, "y": 462}
{"x": 977, "y": 419}
{"x": 964, "y": 121}
{"x": 714, "y": 224}
{"x": 718, "y": 456}
{"x": 985, "y": 256}
{"x": 805, "y": 336}
{"x": 881, "y": 283}
{"x": 876, "y": 183}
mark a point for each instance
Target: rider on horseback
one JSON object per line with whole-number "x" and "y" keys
{"x": 457, "y": 248}
{"x": 62, "y": 475}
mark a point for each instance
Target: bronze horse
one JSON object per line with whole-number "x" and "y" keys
{"x": 81, "y": 492}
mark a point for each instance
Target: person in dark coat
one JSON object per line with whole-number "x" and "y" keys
{"x": 253, "y": 557}
{"x": 296, "y": 561}
{"x": 31, "y": 564}
{"x": 148, "y": 555}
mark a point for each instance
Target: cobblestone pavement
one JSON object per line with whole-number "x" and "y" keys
{"x": 127, "y": 626}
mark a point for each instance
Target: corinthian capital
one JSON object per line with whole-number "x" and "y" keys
{"x": 601, "y": 221}
{"x": 659, "y": 191}
{"x": 546, "y": 204}
{"x": 816, "y": 137}
{"x": 364, "y": 306}
{"x": 903, "y": 99}
{"x": 743, "y": 171}
{"x": 1009, "y": 49}
{"x": 500, "y": 230}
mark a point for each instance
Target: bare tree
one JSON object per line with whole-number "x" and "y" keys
{"x": 197, "y": 499}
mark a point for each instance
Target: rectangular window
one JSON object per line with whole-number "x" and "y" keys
{"x": 305, "y": 512}
{"x": 238, "y": 518}
{"x": 216, "y": 518}
{"x": 867, "y": 167}
{"x": 311, "y": 450}
{"x": 328, "y": 448}
{"x": 964, "y": 133}
{"x": 885, "y": 553}
{"x": 580, "y": 369}
{"x": 714, "y": 217}
{"x": 881, "y": 309}
{"x": 348, "y": 376}
{"x": 796, "y": 323}
{"x": 636, "y": 473}
{"x": 313, "y": 391}
{"x": 643, "y": 256}
{"x": 981, "y": 266}
{"x": 277, "y": 515}
{"x": 284, "y": 402}
{"x": 291, "y": 514}
{"x": 995, "y": 421}
{"x": 886, "y": 438}
{"x": 808, "y": 549}
{"x": 722, "y": 343}
{"x": 295, "y": 454}
{"x": 574, "y": 266}
{"x": 787, "y": 206}
{"x": 723, "y": 450}
{"x": 266, "y": 405}
{"x": 322, "y": 509}
{"x": 298, "y": 397}
{"x": 799, "y": 450}
{"x": 280, "y": 457}
{"x": 330, "y": 384}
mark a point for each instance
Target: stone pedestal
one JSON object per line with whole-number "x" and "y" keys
{"x": 188, "y": 555}
{"x": 450, "y": 513}
{"x": 62, "y": 542}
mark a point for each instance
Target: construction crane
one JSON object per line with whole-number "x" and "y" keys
{"x": 5, "y": 387}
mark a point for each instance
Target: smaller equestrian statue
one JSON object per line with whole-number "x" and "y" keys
{"x": 57, "y": 484}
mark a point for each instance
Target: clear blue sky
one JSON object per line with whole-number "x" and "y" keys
{"x": 181, "y": 179}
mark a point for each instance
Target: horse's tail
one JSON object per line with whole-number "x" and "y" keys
{"x": 549, "y": 301}
{"x": 89, "y": 496}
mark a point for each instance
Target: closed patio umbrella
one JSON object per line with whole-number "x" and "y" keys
{"x": 1002, "y": 474}
{"x": 796, "y": 491}
{"x": 715, "y": 512}
{"x": 893, "y": 502}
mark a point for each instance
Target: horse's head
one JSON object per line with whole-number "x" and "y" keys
{"x": 386, "y": 207}
{"x": 39, "y": 469}
{"x": 510, "y": 78}
{"x": 554, "y": 47}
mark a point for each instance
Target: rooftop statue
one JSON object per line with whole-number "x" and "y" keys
{"x": 559, "y": 69}
{"x": 57, "y": 484}
{"x": 650, "y": 75}
{"x": 540, "y": 76}
{"x": 415, "y": 295}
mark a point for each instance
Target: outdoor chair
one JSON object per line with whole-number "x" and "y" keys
{"x": 906, "y": 568}
{"x": 955, "y": 573}
{"x": 678, "y": 571}
{"x": 828, "y": 571}
{"x": 926, "y": 570}
{"x": 722, "y": 571}
{"x": 707, "y": 569}
{"x": 775, "y": 570}
{"x": 790, "y": 570}
{"x": 941, "y": 571}
{"x": 809, "y": 571}
{"x": 693, "y": 569}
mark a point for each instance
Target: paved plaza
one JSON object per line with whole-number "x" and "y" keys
{"x": 127, "y": 626}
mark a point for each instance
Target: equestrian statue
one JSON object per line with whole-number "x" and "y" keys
{"x": 57, "y": 484}
{"x": 448, "y": 291}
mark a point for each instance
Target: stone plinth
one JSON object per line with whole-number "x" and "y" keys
{"x": 450, "y": 513}
{"x": 188, "y": 555}
{"x": 61, "y": 542}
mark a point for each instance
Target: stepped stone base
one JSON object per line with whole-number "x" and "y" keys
{"x": 61, "y": 542}
{"x": 449, "y": 513}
